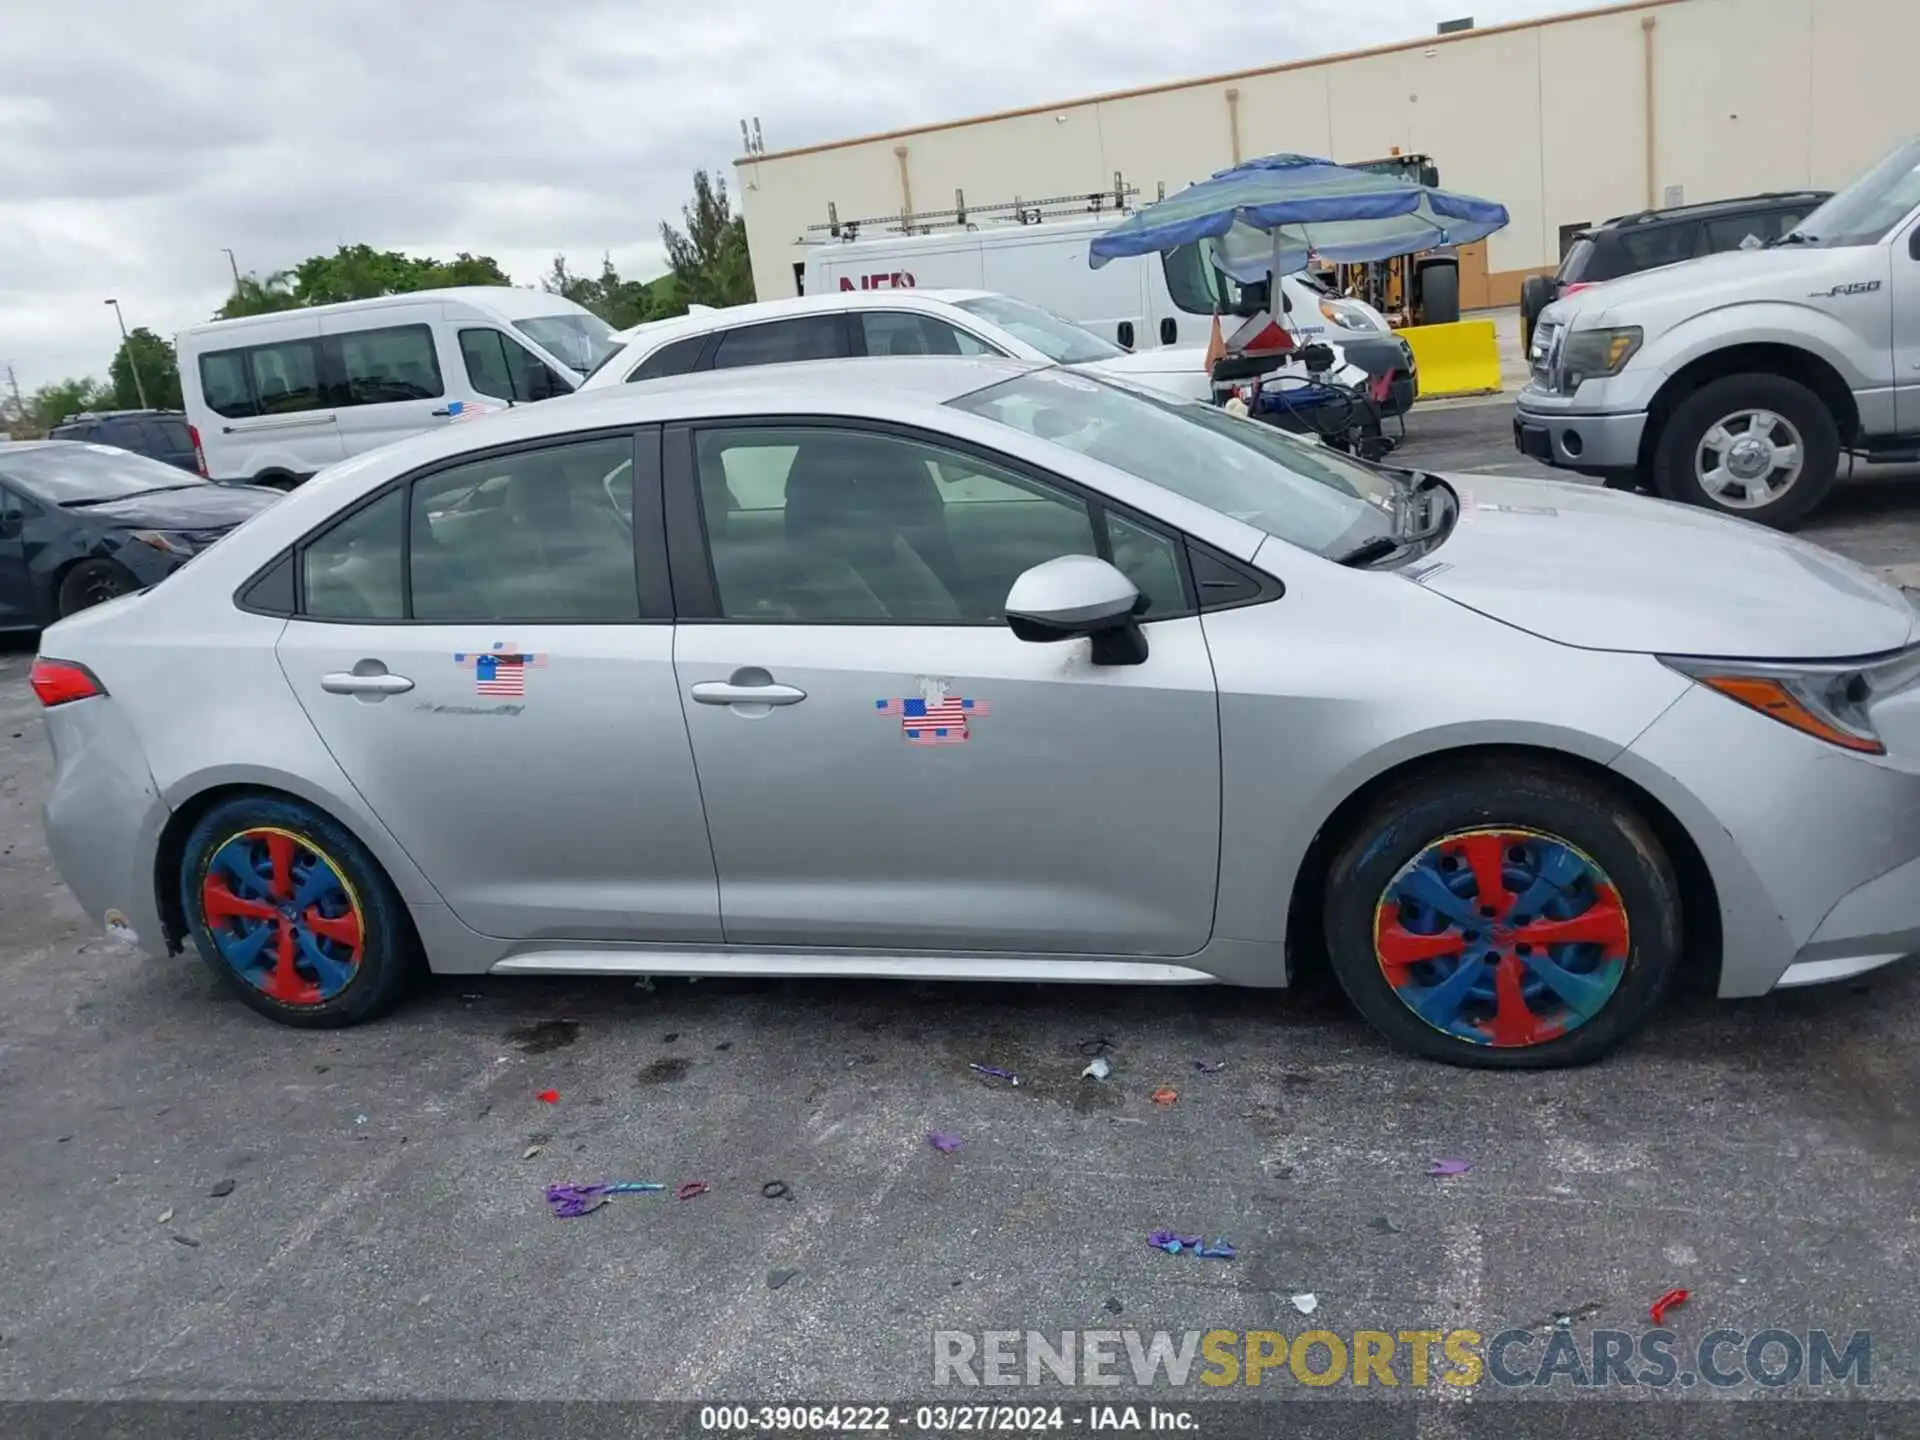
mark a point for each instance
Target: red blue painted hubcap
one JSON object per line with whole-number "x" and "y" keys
{"x": 1502, "y": 937}
{"x": 283, "y": 915}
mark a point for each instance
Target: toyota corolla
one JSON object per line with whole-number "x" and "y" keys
{"x": 973, "y": 669}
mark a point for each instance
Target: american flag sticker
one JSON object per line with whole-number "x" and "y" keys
{"x": 935, "y": 716}
{"x": 502, "y": 671}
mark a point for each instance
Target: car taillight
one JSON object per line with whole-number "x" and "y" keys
{"x": 58, "y": 681}
{"x": 199, "y": 455}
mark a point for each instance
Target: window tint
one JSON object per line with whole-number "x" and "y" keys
{"x": 127, "y": 434}
{"x": 352, "y": 571}
{"x": 897, "y": 332}
{"x": 382, "y": 366}
{"x": 805, "y": 337}
{"x": 679, "y": 358}
{"x": 824, "y": 526}
{"x": 286, "y": 377}
{"x": 173, "y": 434}
{"x": 538, "y": 535}
{"x": 71, "y": 432}
{"x": 223, "y": 380}
{"x": 502, "y": 367}
{"x": 1657, "y": 245}
{"x": 1732, "y": 231}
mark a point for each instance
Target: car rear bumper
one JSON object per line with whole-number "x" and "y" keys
{"x": 103, "y": 817}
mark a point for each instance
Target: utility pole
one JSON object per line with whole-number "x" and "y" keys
{"x": 139, "y": 386}
{"x": 233, "y": 265}
{"x": 13, "y": 384}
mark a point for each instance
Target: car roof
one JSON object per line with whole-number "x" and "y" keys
{"x": 512, "y": 301}
{"x": 832, "y": 303}
{"x": 1707, "y": 209}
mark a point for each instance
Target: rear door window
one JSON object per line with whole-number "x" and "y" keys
{"x": 286, "y": 377}
{"x": 1731, "y": 231}
{"x": 223, "y": 381}
{"x": 900, "y": 332}
{"x": 1658, "y": 245}
{"x": 679, "y": 358}
{"x": 128, "y": 434}
{"x": 805, "y": 337}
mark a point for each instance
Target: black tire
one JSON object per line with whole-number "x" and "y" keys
{"x": 276, "y": 480}
{"x": 1589, "y": 819}
{"x": 1439, "y": 294}
{"x": 92, "y": 582}
{"x": 389, "y": 954}
{"x": 1674, "y": 472}
{"x": 1536, "y": 293}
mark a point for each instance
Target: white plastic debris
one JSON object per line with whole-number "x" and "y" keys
{"x": 165, "y": 1215}
{"x": 1098, "y": 1070}
{"x": 1306, "y": 1303}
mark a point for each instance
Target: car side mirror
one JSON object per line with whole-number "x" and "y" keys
{"x": 1123, "y": 334}
{"x": 1076, "y": 595}
{"x": 1913, "y": 243}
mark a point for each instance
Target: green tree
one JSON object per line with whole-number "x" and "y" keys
{"x": 621, "y": 303}
{"x": 710, "y": 265}
{"x": 357, "y": 272}
{"x": 159, "y": 372}
{"x": 51, "y": 404}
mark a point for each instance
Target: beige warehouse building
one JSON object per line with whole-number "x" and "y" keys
{"x": 1565, "y": 121}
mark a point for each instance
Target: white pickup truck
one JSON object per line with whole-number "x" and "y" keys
{"x": 1738, "y": 381}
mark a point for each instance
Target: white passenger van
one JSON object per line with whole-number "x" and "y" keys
{"x": 273, "y": 398}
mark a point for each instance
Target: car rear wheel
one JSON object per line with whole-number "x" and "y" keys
{"x": 1762, "y": 447}
{"x": 93, "y": 581}
{"x": 294, "y": 915}
{"x": 1504, "y": 916}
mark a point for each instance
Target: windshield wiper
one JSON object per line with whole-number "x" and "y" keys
{"x": 1793, "y": 237}
{"x": 1367, "y": 551}
{"x": 134, "y": 495}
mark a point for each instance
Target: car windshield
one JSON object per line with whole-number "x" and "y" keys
{"x": 1866, "y": 210}
{"x": 76, "y": 474}
{"x": 579, "y": 341}
{"x": 1303, "y": 494}
{"x": 1061, "y": 341}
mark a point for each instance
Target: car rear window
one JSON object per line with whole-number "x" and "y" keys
{"x": 1573, "y": 268}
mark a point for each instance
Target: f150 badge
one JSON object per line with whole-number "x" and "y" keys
{"x": 1852, "y": 287}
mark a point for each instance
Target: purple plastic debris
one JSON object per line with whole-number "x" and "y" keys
{"x": 945, "y": 1141}
{"x": 995, "y": 1071}
{"x": 1449, "y": 1167}
{"x": 1209, "y": 1067}
{"x": 569, "y": 1202}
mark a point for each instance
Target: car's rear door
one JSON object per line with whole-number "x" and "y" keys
{"x": 487, "y": 650}
{"x": 917, "y": 777}
{"x": 18, "y": 608}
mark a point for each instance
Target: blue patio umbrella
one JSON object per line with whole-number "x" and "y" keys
{"x": 1266, "y": 215}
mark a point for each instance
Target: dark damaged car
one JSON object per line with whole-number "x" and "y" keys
{"x": 82, "y": 523}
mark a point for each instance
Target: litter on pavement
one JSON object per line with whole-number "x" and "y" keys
{"x": 532, "y": 1150}
{"x": 1449, "y": 1167}
{"x": 1099, "y": 1069}
{"x": 1672, "y": 1299}
{"x": 569, "y": 1202}
{"x": 1306, "y": 1302}
{"x": 777, "y": 1190}
{"x": 165, "y": 1216}
{"x": 1165, "y": 1096}
{"x": 1174, "y": 1244}
{"x": 221, "y": 1189}
{"x": 945, "y": 1141}
{"x": 995, "y": 1072}
{"x": 777, "y": 1278}
{"x": 1209, "y": 1067}
{"x": 690, "y": 1189}
{"x": 1095, "y": 1045}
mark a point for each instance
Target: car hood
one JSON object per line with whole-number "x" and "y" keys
{"x": 1787, "y": 273}
{"x": 1606, "y": 570}
{"x": 198, "y": 507}
{"x": 1167, "y": 360}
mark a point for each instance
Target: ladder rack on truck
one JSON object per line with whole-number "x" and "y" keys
{"x": 962, "y": 216}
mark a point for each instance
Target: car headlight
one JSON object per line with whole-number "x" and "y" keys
{"x": 1592, "y": 354}
{"x": 1346, "y": 314}
{"x": 1828, "y": 702}
{"x": 166, "y": 542}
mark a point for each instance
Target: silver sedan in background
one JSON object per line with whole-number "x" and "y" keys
{"x": 979, "y": 669}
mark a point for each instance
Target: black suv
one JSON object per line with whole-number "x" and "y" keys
{"x": 158, "y": 434}
{"x": 1628, "y": 244}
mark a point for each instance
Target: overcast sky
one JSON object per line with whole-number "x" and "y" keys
{"x": 138, "y": 138}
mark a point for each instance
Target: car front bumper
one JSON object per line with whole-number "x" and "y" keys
{"x": 1590, "y": 444}
{"x": 1816, "y": 870}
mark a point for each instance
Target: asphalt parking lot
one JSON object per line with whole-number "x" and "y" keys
{"x": 385, "y": 1233}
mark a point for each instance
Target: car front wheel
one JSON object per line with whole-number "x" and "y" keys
{"x": 1762, "y": 447}
{"x": 1505, "y": 916}
{"x": 93, "y": 582}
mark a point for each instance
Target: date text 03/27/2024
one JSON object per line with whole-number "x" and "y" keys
{"x": 944, "y": 1419}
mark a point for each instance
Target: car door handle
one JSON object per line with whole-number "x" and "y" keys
{"x": 721, "y": 692}
{"x": 442, "y": 413}
{"x": 346, "y": 682}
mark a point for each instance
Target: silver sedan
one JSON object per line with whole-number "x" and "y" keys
{"x": 973, "y": 669}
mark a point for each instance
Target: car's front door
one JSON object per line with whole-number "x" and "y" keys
{"x": 884, "y": 765}
{"x": 488, "y": 655}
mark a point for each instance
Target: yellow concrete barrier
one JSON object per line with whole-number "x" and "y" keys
{"x": 1458, "y": 359}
